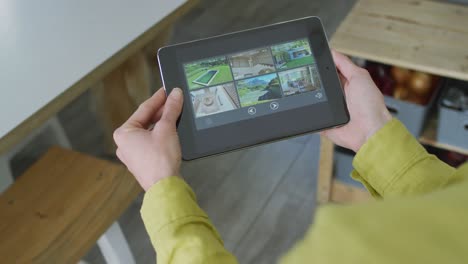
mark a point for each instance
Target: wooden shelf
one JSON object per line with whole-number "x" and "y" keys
{"x": 422, "y": 35}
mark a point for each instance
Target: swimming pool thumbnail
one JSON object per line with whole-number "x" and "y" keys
{"x": 208, "y": 72}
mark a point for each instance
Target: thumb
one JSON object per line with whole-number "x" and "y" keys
{"x": 346, "y": 67}
{"x": 173, "y": 106}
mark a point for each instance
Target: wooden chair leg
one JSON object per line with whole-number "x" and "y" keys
{"x": 114, "y": 246}
{"x": 325, "y": 176}
{"x": 122, "y": 90}
{"x": 119, "y": 95}
{"x": 151, "y": 51}
{"x": 6, "y": 176}
{"x": 59, "y": 133}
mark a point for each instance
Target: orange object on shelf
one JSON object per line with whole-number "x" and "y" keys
{"x": 401, "y": 92}
{"x": 420, "y": 83}
{"x": 400, "y": 75}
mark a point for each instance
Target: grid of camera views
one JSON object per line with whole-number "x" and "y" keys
{"x": 251, "y": 77}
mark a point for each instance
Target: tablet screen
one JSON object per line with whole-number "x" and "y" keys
{"x": 251, "y": 83}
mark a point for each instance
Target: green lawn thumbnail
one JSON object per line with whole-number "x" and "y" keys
{"x": 208, "y": 72}
{"x": 292, "y": 54}
{"x": 298, "y": 62}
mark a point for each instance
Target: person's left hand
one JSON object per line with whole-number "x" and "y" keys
{"x": 152, "y": 155}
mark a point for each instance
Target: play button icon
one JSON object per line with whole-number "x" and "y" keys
{"x": 274, "y": 105}
{"x": 252, "y": 111}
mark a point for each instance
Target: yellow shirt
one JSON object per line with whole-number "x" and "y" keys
{"x": 424, "y": 218}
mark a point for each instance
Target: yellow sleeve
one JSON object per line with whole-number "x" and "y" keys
{"x": 179, "y": 230}
{"x": 424, "y": 229}
{"x": 393, "y": 163}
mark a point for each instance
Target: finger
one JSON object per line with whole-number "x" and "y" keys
{"x": 344, "y": 64}
{"x": 158, "y": 114}
{"x": 342, "y": 79}
{"x": 173, "y": 106}
{"x": 324, "y": 133}
{"x": 156, "y": 118}
{"x": 147, "y": 110}
{"x": 119, "y": 155}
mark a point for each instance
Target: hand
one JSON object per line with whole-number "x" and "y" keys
{"x": 152, "y": 155}
{"x": 365, "y": 102}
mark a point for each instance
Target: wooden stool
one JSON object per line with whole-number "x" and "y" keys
{"x": 55, "y": 130}
{"x": 61, "y": 206}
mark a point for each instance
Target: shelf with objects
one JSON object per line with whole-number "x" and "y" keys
{"x": 416, "y": 53}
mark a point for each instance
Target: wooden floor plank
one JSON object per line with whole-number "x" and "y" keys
{"x": 207, "y": 173}
{"x": 288, "y": 213}
{"x": 235, "y": 203}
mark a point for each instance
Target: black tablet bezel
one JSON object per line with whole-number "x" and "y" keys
{"x": 200, "y": 143}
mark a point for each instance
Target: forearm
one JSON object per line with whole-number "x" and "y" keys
{"x": 179, "y": 230}
{"x": 393, "y": 162}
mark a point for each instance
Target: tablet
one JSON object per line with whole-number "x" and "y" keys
{"x": 254, "y": 86}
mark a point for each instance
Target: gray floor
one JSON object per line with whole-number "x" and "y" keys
{"x": 261, "y": 199}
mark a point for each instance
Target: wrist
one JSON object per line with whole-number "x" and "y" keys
{"x": 147, "y": 184}
{"x": 385, "y": 117}
{"x": 161, "y": 169}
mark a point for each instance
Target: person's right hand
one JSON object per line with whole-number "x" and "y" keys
{"x": 366, "y": 106}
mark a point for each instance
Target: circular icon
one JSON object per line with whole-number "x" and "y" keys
{"x": 252, "y": 111}
{"x": 274, "y": 105}
{"x": 319, "y": 95}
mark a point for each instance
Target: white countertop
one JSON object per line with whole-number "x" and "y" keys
{"x": 47, "y": 46}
